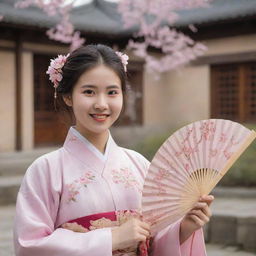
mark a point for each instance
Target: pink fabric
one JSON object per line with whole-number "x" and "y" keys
{"x": 73, "y": 182}
{"x": 167, "y": 243}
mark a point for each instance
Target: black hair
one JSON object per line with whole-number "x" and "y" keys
{"x": 85, "y": 58}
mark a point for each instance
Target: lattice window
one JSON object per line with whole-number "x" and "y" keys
{"x": 233, "y": 92}
{"x": 251, "y": 91}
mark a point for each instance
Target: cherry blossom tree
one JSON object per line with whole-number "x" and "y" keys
{"x": 64, "y": 31}
{"x": 154, "y": 19}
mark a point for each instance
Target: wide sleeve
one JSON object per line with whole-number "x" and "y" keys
{"x": 34, "y": 226}
{"x": 167, "y": 243}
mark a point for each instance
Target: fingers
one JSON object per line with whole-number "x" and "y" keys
{"x": 130, "y": 233}
{"x": 204, "y": 207}
{"x": 143, "y": 228}
{"x": 141, "y": 238}
{"x": 199, "y": 222}
{"x": 144, "y": 225}
{"x": 200, "y": 214}
{"x": 207, "y": 199}
{"x": 144, "y": 232}
{"x": 204, "y": 203}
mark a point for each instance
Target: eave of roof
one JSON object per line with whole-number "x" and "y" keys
{"x": 101, "y": 17}
{"x": 219, "y": 10}
{"x": 96, "y": 17}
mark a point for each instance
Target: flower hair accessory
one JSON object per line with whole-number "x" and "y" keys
{"x": 124, "y": 58}
{"x": 55, "y": 70}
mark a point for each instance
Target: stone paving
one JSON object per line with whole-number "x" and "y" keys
{"x": 218, "y": 250}
{"x": 6, "y": 224}
{"x": 7, "y": 215}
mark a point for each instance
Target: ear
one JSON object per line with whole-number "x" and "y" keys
{"x": 68, "y": 100}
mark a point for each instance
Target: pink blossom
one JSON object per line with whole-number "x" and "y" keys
{"x": 177, "y": 48}
{"x": 76, "y": 41}
{"x": 72, "y": 192}
{"x": 223, "y": 137}
{"x": 75, "y": 187}
{"x": 192, "y": 28}
{"x": 55, "y": 69}
{"x": 124, "y": 58}
{"x": 213, "y": 152}
{"x": 126, "y": 177}
{"x": 207, "y": 130}
{"x": 187, "y": 167}
{"x": 227, "y": 154}
{"x": 86, "y": 178}
{"x": 162, "y": 174}
{"x": 64, "y": 30}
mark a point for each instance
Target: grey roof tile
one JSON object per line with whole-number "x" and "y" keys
{"x": 102, "y": 17}
{"x": 219, "y": 10}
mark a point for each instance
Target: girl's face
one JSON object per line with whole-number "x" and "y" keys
{"x": 97, "y": 100}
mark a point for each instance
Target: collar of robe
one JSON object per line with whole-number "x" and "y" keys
{"x": 86, "y": 152}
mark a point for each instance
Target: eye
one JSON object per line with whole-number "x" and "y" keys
{"x": 88, "y": 92}
{"x": 113, "y": 92}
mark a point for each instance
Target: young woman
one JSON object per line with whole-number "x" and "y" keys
{"x": 84, "y": 199}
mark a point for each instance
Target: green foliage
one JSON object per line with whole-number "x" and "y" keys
{"x": 150, "y": 145}
{"x": 242, "y": 173}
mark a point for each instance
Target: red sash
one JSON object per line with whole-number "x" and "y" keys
{"x": 111, "y": 219}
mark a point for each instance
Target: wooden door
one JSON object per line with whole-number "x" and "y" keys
{"x": 234, "y": 91}
{"x": 49, "y": 125}
{"x": 132, "y": 113}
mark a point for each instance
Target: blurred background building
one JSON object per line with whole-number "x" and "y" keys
{"x": 220, "y": 84}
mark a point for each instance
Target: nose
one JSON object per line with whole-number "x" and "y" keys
{"x": 101, "y": 103}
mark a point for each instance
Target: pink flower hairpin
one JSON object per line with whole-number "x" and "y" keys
{"x": 55, "y": 69}
{"x": 124, "y": 58}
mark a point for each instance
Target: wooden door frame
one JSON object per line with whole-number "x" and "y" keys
{"x": 18, "y": 77}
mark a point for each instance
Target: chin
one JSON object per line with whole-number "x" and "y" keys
{"x": 99, "y": 131}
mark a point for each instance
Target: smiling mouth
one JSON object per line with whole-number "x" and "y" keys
{"x": 99, "y": 117}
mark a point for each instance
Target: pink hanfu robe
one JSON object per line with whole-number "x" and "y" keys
{"x": 76, "y": 181}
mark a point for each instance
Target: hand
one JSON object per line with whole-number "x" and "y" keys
{"x": 196, "y": 217}
{"x": 74, "y": 227}
{"x": 129, "y": 234}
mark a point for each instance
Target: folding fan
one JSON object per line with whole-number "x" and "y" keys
{"x": 188, "y": 165}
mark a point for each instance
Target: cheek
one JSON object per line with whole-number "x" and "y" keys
{"x": 118, "y": 105}
{"x": 81, "y": 105}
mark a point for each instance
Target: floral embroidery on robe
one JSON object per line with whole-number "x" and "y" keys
{"x": 125, "y": 176}
{"x": 76, "y": 185}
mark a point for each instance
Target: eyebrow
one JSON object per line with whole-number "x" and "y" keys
{"x": 94, "y": 86}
